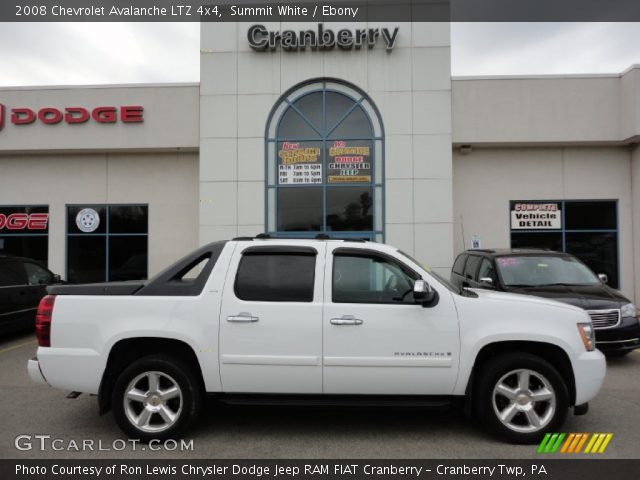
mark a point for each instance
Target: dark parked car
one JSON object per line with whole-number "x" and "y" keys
{"x": 558, "y": 276}
{"x": 23, "y": 283}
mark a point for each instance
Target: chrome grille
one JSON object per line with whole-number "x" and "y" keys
{"x": 604, "y": 318}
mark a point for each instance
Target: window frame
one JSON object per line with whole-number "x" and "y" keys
{"x": 20, "y": 270}
{"x": 492, "y": 263}
{"x": 367, "y": 253}
{"x": 464, "y": 256}
{"x": 474, "y": 275}
{"x": 563, "y": 231}
{"x": 277, "y": 250}
{"x": 106, "y": 234}
{"x": 42, "y": 267}
{"x": 27, "y": 209}
{"x": 272, "y": 140}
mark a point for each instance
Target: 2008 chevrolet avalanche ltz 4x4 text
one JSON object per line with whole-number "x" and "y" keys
{"x": 314, "y": 321}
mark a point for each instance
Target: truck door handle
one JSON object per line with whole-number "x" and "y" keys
{"x": 242, "y": 318}
{"x": 346, "y": 320}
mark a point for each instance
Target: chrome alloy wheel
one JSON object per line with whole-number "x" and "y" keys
{"x": 524, "y": 401}
{"x": 153, "y": 401}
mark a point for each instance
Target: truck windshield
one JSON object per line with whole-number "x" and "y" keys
{"x": 537, "y": 271}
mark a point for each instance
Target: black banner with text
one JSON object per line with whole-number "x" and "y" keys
{"x": 319, "y": 469}
{"x": 313, "y": 11}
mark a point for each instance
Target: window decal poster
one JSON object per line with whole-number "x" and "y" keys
{"x": 349, "y": 163}
{"x": 299, "y": 164}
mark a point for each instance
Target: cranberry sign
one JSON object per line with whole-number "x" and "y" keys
{"x": 72, "y": 115}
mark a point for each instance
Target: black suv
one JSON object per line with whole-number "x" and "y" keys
{"x": 557, "y": 276}
{"x": 23, "y": 283}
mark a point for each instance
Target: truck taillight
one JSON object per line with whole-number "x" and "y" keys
{"x": 43, "y": 320}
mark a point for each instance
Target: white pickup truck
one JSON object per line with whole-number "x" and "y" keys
{"x": 318, "y": 321}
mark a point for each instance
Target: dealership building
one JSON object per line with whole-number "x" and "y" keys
{"x": 349, "y": 130}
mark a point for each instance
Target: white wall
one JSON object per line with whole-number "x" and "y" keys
{"x": 410, "y": 85}
{"x": 488, "y": 178}
{"x": 168, "y": 182}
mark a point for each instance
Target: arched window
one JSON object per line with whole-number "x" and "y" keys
{"x": 324, "y": 148}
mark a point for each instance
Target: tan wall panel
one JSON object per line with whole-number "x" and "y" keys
{"x": 487, "y": 179}
{"x": 635, "y": 210}
{"x": 562, "y": 109}
{"x": 168, "y": 182}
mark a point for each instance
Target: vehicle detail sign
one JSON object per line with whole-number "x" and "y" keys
{"x": 536, "y": 216}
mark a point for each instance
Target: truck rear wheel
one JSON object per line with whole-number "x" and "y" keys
{"x": 521, "y": 396}
{"x": 156, "y": 397}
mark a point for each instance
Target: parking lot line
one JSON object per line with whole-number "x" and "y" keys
{"x": 20, "y": 345}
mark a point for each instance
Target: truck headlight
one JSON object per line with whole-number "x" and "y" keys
{"x": 588, "y": 336}
{"x": 629, "y": 310}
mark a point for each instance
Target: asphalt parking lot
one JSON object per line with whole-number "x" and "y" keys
{"x": 261, "y": 432}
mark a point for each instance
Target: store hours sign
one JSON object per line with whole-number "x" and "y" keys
{"x": 299, "y": 163}
{"x": 535, "y": 216}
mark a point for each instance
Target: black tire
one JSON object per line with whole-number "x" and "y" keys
{"x": 186, "y": 406}
{"x": 500, "y": 369}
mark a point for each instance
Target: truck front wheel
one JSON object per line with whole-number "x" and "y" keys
{"x": 521, "y": 396}
{"x": 156, "y": 397}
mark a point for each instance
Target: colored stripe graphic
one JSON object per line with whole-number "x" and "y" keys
{"x": 551, "y": 442}
{"x": 572, "y": 443}
{"x": 570, "y": 438}
{"x": 582, "y": 441}
{"x": 606, "y": 441}
{"x": 543, "y": 443}
{"x": 598, "y": 443}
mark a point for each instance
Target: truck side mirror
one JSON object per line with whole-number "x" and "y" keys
{"x": 603, "y": 278}
{"x": 424, "y": 294}
{"x": 486, "y": 282}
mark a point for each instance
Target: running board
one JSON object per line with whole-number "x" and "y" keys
{"x": 440, "y": 401}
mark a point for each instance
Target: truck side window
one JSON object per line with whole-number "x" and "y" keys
{"x": 370, "y": 279}
{"x": 472, "y": 267}
{"x": 12, "y": 273}
{"x": 276, "y": 277}
{"x": 487, "y": 270}
{"x": 458, "y": 266}
{"x": 36, "y": 275}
